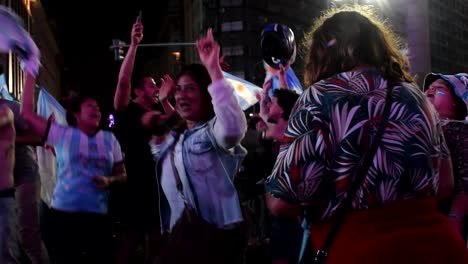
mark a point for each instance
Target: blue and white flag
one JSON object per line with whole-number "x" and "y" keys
{"x": 49, "y": 108}
{"x": 4, "y": 89}
{"x": 291, "y": 78}
{"x": 15, "y": 38}
{"x": 48, "y": 105}
{"x": 245, "y": 91}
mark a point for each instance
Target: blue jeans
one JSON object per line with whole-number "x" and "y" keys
{"x": 9, "y": 250}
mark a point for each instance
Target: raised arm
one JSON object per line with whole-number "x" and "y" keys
{"x": 165, "y": 92}
{"x": 264, "y": 100}
{"x": 37, "y": 124}
{"x": 123, "y": 91}
{"x": 283, "y": 82}
{"x": 230, "y": 124}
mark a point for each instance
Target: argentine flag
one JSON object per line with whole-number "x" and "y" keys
{"x": 4, "y": 89}
{"x": 245, "y": 91}
{"x": 47, "y": 106}
{"x": 291, "y": 78}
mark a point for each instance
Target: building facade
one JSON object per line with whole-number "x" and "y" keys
{"x": 237, "y": 25}
{"x": 434, "y": 33}
{"x": 448, "y": 35}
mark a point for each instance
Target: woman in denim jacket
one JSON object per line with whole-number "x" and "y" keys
{"x": 207, "y": 154}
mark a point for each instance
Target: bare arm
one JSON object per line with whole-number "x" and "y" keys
{"x": 283, "y": 83}
{"x": 166, "y": 90}
{"x": 37, "y": 124}
{"x": 119, "y": 175}
{"x": 264, "y": 100}
{"x": 123, "y": 91}
{"x": 230, "y": 124}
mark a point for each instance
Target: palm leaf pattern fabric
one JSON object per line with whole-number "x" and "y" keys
{"x": 330, "y": 129}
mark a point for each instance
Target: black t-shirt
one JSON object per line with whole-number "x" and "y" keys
{"x": 140, "y": 188}
{"x": 257, "y": 165}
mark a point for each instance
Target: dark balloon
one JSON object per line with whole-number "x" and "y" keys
{"x": 278, "y": 45}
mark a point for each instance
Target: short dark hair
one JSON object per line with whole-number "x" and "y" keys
{"x": 73, "y": 106}
{"x": 286, "y": 100}
{"x": 139, "y": 82}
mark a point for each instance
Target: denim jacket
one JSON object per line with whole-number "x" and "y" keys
{"x": 212, "y": 154}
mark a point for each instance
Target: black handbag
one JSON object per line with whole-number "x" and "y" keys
{"x": 319, "y": 256}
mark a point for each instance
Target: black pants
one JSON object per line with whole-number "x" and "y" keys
{"x": 80, "y": 237}
{"x": 229, "y": 248}
{"x": 286, "y": 239}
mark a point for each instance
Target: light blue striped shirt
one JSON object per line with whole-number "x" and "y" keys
{"x": 81, "y": 157}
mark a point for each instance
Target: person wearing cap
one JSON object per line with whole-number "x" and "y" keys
{"x": 449, "y": 95}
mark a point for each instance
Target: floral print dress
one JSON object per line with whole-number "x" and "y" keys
{"x": 330, "y": 129}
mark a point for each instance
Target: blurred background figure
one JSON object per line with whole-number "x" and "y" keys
{"x": 449, "y": 95}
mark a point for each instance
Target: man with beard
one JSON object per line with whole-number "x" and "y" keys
{"x": 135, "y": 203}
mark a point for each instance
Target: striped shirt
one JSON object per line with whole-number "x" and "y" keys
{"x": 81, "y": 157}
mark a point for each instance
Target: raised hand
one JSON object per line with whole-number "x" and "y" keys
{"x": 167, "y": 88}
{"x": 264, "y": 98}
{"x": 282, "y": 76}
{"x": 208, "y": 50}
{"x": 137, "y": 33}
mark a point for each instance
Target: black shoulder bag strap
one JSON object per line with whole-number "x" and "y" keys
{"x": 360, "y": 174}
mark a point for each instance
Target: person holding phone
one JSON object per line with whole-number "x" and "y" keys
{"x": 132, "y": 204}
